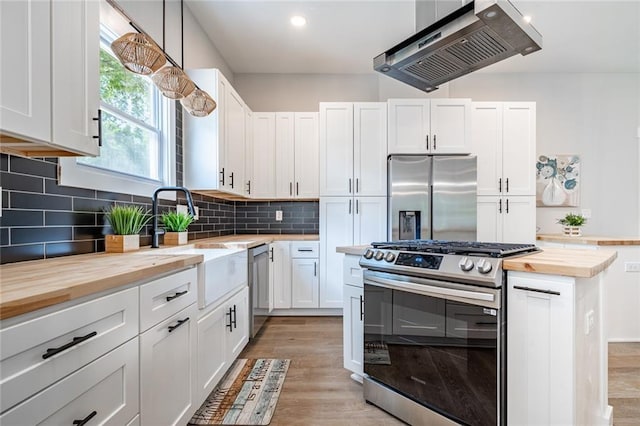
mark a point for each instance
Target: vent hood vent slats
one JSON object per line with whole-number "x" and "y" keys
{"x": 452, "y": 48}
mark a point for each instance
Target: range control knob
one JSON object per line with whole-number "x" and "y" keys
{"x": 484, "y": 266}
{"x": 466, "y": 264}
{"x": 368, "y": 254}
{"x": 379, "y": 255}
{"x": 390, "y": 257}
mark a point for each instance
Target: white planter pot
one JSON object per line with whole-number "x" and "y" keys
{"x": 572, "y": 231}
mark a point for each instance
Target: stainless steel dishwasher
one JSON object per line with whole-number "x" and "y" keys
{"x": 258, "y": 263}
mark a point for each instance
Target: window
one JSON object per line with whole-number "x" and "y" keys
{"x": 138, "y": 140}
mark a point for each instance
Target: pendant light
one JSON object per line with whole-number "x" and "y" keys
{"x": 198, "y": 103}
{"x": 138, "y": 53}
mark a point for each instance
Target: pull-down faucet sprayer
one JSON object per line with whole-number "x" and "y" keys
{"x": 154, "y": 201}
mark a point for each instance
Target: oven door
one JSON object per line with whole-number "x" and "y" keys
{"x": 437, "y": 343}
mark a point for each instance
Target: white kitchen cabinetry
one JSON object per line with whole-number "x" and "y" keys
{"x": 50, "y": 93}
{"x": 280, "y": 274}
{"x": 262, "y": 182}
{"x": 353, "y": 149}
{"x": 304, "y": 283}
{"x": 429, "y": 126}
{"x": 214, "y": 154}
{"x": 346, "y": 221}
{"x": 238, "y": 335}
{"x": 506, "y": 219}
{"x": 248, "y": 150}
{"x": 353, "y": 313}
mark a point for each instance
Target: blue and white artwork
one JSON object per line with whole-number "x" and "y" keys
{"x": 558, "y": 180}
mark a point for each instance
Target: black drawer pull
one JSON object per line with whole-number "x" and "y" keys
{"x": 235, "y": 317}
{"x": 86, "y": 419}
{"x": 180, "y": 322}
{"x": 178, "y": 294}
{"x": 76, "y": 341}
{"x": 555, "y": 293}
{"x": 99, "y": 120}
{"x": 305, "y": 249}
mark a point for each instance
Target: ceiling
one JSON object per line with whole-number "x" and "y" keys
{"x": 254, "y": 36}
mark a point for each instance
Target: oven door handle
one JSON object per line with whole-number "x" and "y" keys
{"x": 429, "y": 289}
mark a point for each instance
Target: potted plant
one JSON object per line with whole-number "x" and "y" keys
{"x": 126, "y": 223}
{"x": 176, "y": 224}
{"x": 572, "y": 224}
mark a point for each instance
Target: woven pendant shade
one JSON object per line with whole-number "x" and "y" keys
{"x": 173, "y": 82}
{"x": 199, "y": 103}
{"x": 138, "y": 54}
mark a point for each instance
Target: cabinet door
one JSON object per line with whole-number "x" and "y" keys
{"x": 353, "y": 330}
{"x": 489, "y": 210}
{"x": 238, "y": 333}
{"x": 212, "y": 350}
{"x": 108, "y": 386}
{"x": 336, "y": 148}
{"x": 486, "y": 144}
{"x": 167, "y": 369}
{"x": 285, "y": 148}
{"x": 263, "y": 161}
{"x": 519, "y": 148}
{"x": 75, "y": 74}
{"x": 541, "y": 351}
{"x": 336, "y": 229}
{"x": 519, "y": 220}
{"x": 370, "y": 148}
{"x": 248, "y": 150}
{"x": 306, "y": 155}
{"x": 370, "y": 220}
{"x": 451, "y": 126}
{"x": 234, "y": 145}
{"x": 304, "y": 283}
{"x": 25, "y": 69}
{"x": 409, "y": 126}
{"x": 280, "y": 271}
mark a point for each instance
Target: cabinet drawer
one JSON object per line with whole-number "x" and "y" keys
{"x": 107, "y": 386}
{"x": 305, "y": 249}
{"x": 161, "y": 298}
{"x": 97, "y": 326}
{"x": 352, "y": 271}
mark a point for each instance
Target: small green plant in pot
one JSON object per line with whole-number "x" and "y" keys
{"x": 176, "y": 225}
{"x": 126, "y": 223}
{"x": 572, "y": 224}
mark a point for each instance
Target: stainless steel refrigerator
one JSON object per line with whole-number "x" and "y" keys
{"x": 432, "y": 197}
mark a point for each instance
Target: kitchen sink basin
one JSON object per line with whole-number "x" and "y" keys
{"x": 209, "y": 253}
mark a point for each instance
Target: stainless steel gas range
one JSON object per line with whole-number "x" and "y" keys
{"x": 434, "y": 330}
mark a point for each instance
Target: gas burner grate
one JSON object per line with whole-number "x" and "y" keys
{"x": 467, "y": 248}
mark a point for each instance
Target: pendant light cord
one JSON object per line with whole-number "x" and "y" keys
{"x": 182, "y": 32}
{"x": 164, "y": 19}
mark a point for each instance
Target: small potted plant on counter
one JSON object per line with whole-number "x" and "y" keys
{"x": 126, "y": 223}
{"x": 176, "y": 224}
{"x": 572, "y": 224}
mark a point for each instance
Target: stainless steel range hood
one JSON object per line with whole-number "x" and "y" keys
{"x": 478, "y": 34}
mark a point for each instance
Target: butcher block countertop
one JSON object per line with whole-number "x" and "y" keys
{"x": 32, "y": 285}
{"x": 556, "y": 261}
{"x": 593, "y": 240}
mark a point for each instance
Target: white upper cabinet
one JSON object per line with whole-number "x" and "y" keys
{"x": 306, "y": 154}
{"x": 353, "y": 149}
{"x": 248, "y": 149}
{"x": 262, "y": 183}
{"x": 429, "y": 126}
{"x": 504, "y": 139}
{"x": 285, "y": 146}
{"x": 50, "y": 92}
{"x": 234, "y": 142}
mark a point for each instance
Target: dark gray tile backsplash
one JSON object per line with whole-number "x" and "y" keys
{"x": 41, "y": 219}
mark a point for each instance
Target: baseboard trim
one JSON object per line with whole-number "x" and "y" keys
{"x": 624, "y": 340}
{"x": 307, "y": 312}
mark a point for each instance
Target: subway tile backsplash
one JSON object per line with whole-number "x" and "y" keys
{"x": 298, "y": 217}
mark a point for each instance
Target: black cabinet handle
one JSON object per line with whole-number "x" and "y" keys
{"x": 231, "y": 176}
{"x": 349, "y": 185}
{"x": 349, "y": 206}
{"x": 507, "y": 209}
{"x": 357, "y": 206}
{"x": 357, "y": 185}
{"x": 305, "y": 250}
{"x": 291, "y": 188}
{"x": 179, "y": 323}
{"x": 555, "y": 293}
{"x": 99, "y": 120}
{"x": 500, "y": 185}
{"x": 178, "y": 294}
{"x": 297, "y": 189}
{"x": 222, "y": 176}
{"x": 235, "y": 317}
{"x": 434, "y": 143}
{"x": 249, "y": 187}
{"x": 230, "y": 315}
{"x": 86, "y": 419}
{"x": 361, "y": 308}
{"x": 427, "y": 139}
{"x": 315, "y": 269}
{"x": 500, "y": 206}
{"x": 271, "y": 255}
{"x": 507, "y": 184}
{"x": 76, "y": 341}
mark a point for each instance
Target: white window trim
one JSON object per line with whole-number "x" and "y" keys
{"x": 84, "y": 176}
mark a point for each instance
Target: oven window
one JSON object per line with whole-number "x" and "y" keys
{"x": 439, "y": 353}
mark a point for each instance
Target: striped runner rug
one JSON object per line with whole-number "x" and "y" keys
{"x": 246, "y": 395}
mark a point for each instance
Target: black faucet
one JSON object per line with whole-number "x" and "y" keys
{"x": 154, "y": 201}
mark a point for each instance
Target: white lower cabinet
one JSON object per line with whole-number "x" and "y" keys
{"x": 304, "y": 283}
{"x": 103, "y": 392}
{"x": 280, "y": 274}
{"x": 507, "y": 219}
{"x": 167, "y": 369}
{"x": 353, "y": 330}
{"x": 222, "y": 334}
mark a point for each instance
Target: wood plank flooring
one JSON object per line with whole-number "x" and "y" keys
{"x": 319, "y": 391}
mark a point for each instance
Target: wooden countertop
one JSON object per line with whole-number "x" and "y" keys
{"x": 593, "y": 240}
{"x": 577, "y": 263}
{"x": 32, "y": 285}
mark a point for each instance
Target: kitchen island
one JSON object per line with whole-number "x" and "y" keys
{"x": 556, "y": 344}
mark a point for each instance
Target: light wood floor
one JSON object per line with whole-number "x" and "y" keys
{"x": 319, "y": 391}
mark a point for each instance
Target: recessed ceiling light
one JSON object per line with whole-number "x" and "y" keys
{"x": 298, "y": 21}
{"x": 526, "y": 18}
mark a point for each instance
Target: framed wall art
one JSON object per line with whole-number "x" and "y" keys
{"x": 558, "y": 180}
